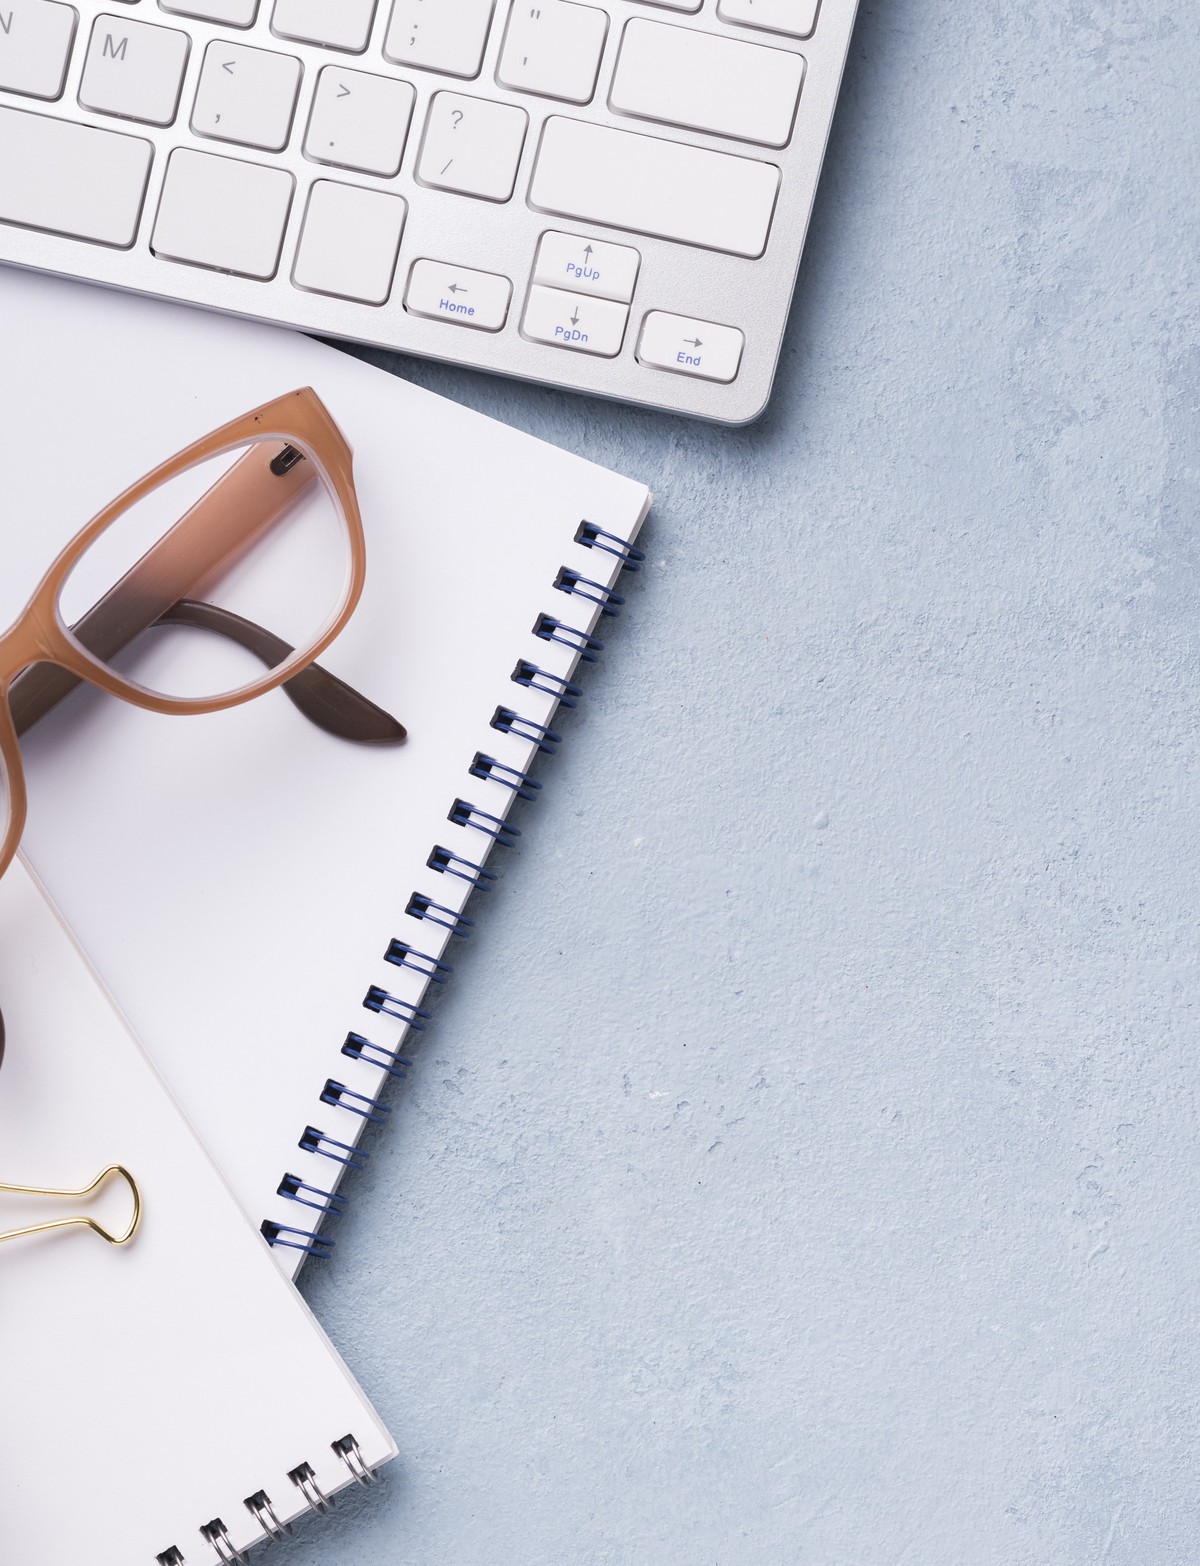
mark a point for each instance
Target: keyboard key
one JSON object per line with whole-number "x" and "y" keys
{"x": 796, "y": 18}
{"x": 448, "y": 36}
{"x": 587, "y": 266}
{"x": 553, "y": 48}
{"x": 598, "y": 175}
{"x": 574, "y": 321}
{"x": 687, "y": 347}
{"x": 72, "y": 179}
{"x": 338, "y": 24}
{"x": 222, "y": 213}
{"x": 459, "y": 295}
{"x": 682, "y": 77}
{"x": 234, "y": 13}
{"x": 134, "y": 69}
{"x": 676, "y": 5}
{"x": 35, "y": 45}
{"x": 472, "y": 145}
{"x": 350, "y": 241}
{"x": 246, "y": 95}
{"x": 359, "y": 121}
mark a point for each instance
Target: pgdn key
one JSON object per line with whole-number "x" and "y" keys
{"x": 575, "y": 321}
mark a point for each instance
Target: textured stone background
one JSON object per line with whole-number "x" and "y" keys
{"x": 802, "y": 1166}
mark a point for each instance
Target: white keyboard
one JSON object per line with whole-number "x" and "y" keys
{"x": 611, "y": 198}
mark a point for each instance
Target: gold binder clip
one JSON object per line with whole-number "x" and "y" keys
{"x": 82, "y": 1220}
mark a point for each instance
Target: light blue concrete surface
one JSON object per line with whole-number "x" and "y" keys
{"x": 802, "y": 1167}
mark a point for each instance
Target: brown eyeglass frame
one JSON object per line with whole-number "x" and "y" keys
{"x": 238, "y": 511}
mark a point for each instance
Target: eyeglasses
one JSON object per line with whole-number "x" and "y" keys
{"x": 256, "y": 524}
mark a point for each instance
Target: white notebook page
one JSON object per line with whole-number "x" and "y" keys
{"x": 237, "y": 878}
{"x": 147, "y": 1391}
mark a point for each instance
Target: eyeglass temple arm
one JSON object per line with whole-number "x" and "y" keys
{"x": 323, "y": 699}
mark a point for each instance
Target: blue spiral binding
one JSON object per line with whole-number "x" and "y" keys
{"x": 422, "y": 907}
{"x": 609, "y": 600}
{"x": 464, "y": 814}
{"x": 536, "y": 679}
{"x": 405, "y": 956}
{"x": 551, "y": 630}
{"x": 315, "y": 1140}
{"x": 593, "y": 537}
{"x": 506, "y": 721}
{"x": 389, "y": 1060}
{"x": 493, "y": 771}
{"x": 339, "y": 1096}
{"x": 297, "y": 1190}
{"x": 446, "y": 863}
{"x": 308, "y": 1241}
{"x": 379, "y": 999}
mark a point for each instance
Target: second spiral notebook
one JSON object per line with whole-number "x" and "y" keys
{"x": 269, "y": 904}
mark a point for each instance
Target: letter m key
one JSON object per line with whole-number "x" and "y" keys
{"x": 113, "y": 49}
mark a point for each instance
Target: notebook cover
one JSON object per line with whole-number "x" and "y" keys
{"x": 147, "y": 1391}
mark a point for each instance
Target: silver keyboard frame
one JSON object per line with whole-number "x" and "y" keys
{"x": 753, "y": 295}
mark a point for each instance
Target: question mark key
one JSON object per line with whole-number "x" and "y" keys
{"x": 472, "y": 145}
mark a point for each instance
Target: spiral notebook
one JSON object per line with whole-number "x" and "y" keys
{"x": 172, "y": 1401}
{"x": 269, "y": 905}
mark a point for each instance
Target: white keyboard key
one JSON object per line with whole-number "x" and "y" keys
{"x": 458, "y": 294}
{"x": 472, "y": 145}
{"x": 338, "y": 24}
{"x": 439, "y": 35}
{"x": 134, "y": 69}
{"x": 35, "y": 45}
{"x": 682, "y": 77}
{"x": 586, "y": 266}
{"x": 598, "y": 175}
{"x": 553, "y": 48}
{"x": 222, "y": 213}
{"x": 688, "y": 347}
{"x": 575, "y": 321}
{"x": 676, "y": 5}
{"x": 796, "y": 18}
{"x": 359, "y": 121}
{"x": 72, "y": 179}
{"x": 246, "y": 95}
{"x": 349, "y": 243}
{"x": 234, "y": 13}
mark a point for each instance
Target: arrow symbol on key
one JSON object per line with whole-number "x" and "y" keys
{"x": 228, "y": 65}
{"x": 587, "y": 250}
{"x": 575, "y": 318}
{"x": 694, "y": 342}
{"x": 457, "y": 288}
{"x": 343, "y": 90}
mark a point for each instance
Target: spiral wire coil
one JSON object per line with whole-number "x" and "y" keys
{"x": 455, "y": 867}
